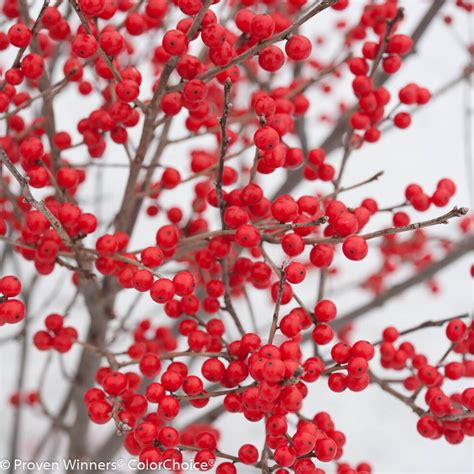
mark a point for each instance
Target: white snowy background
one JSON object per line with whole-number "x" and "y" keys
{"x": 379, "y": 428}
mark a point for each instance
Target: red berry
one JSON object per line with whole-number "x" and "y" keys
{"x": 402, "y": 120}
{"x": 271, "y": 58}
{"x": 84, "y": 45}
{"x": 325, "y": 449}
{"x": 266, "y": 138}
{"x": 355, "y": 248}
{"x": 150, "y": 365}
{"x": 19, "y": 35}
{"x": 99, "y": 411}
{"x": 262, "y": 26}
{"x": 298, "y": 48}
{"x": 115, "y": 383}
{"x": 322, "y": 334}
{"x": 456, "y": 330}
{"x": 10, "y": 286}
{"x": 248, "y": 454}
{"x": 175, "y": 42}
{"x": 325, "y": 311}
{"x": 321, "y": 255}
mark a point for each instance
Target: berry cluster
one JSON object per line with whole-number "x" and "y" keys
{"x": 12, "y": 310}
{"x": 41, "y": 243}
{"x": 356, "y": 358}
{"x": 280, "y": 378}
{"x": 440, "y": 198}
{"x": 55, "y": 335}
{"x": 440, "y": 418}
{"x": 246, "y": 75}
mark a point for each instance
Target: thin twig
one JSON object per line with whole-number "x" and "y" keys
{"x": 276, "y": 313}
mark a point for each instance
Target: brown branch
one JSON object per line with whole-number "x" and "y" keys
{"x": 404, "y": 399}
{"x": 38, "y": 205}
{"x": 383, "y": 46}
{"x": 277, "y": 272}
{"x": 395, "y": 207}
{"x": 276, "y": 313}
{"x": 229, "y": 307}
{"x": 223, "y": 148}
{"x": 427, "y": 324}
{"x": 443, "y": 219}
{"x": 373, "y": 178}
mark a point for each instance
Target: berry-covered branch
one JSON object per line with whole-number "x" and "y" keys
{"x": 159, "y": 163}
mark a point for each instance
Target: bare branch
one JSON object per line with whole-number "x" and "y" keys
{"x": 276, "y": 313}
{"x": 443, "y": 219}
{"x": 427, "y": 324}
